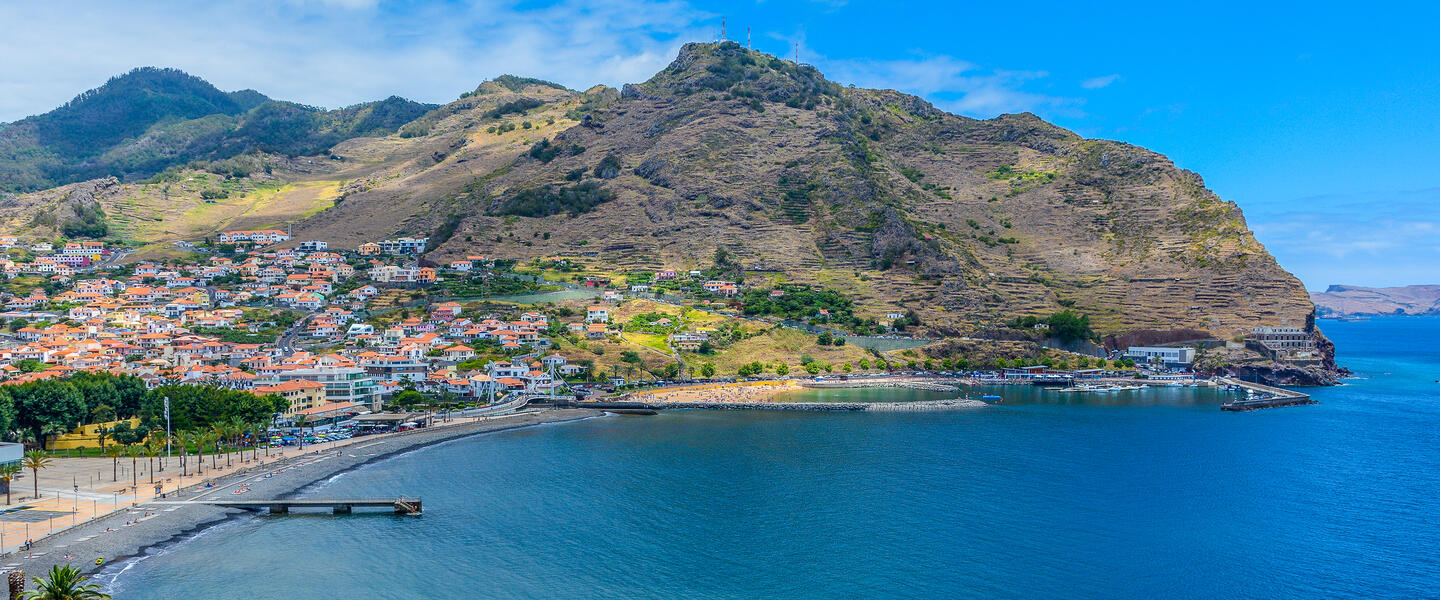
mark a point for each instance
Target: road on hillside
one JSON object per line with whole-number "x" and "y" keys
{"x": 286, "y": 341}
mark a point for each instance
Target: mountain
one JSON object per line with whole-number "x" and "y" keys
{"x": 150, "y": 119}
{"x": 766, "y": 169}
{"x": 1343, "y": 300}
{"x": 969, "y": 222}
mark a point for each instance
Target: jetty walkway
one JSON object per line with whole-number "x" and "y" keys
{"x": 1266, "y": 397}
{"x": 401, "y": 506}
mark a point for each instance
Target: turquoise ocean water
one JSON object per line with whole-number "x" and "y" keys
{"x": 1156, "y": 495}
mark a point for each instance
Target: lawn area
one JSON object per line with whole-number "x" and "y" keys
{"x": 653, "y": 341}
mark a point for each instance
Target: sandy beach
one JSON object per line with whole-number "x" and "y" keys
{"x": 105, "y": 543}
{"x": 740, "y": 392}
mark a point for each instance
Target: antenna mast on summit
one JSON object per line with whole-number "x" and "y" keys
{"x": 722, "y": 29}
{"x": 797, "y": 53}
{"x": 747, "y": 39}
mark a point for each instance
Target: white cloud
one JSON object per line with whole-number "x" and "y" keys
{"x": 338, "y": 52}
{"x": 953, "y": 84}
{"x": 1095, "y": 83}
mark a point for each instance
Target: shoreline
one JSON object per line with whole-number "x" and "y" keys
{"x": 153, "y": 526}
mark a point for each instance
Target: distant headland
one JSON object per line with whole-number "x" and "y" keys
{"x": 1351, "y": 300}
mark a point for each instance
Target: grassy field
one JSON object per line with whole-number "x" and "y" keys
{"x": 166, "y": 212}
{"x": 653, "y": 341}
{"x": 776, "y": 346}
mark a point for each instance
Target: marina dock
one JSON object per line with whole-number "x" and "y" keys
{"x": 1263, "y": 396}
{"x": 400, "y": 506}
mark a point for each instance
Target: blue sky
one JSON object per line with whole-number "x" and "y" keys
{"x": 1320, "y": 120}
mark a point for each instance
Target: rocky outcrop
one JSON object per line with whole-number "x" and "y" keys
{"x": 1280, "y": 374}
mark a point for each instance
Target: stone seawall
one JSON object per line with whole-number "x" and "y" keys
{"x": 958, "y": 403}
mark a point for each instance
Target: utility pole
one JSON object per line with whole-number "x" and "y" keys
{"x": 167, "y": 428}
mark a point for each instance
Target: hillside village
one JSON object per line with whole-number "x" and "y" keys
{"x": 248, "y": 315}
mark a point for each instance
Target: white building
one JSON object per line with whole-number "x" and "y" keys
{"x": 342, "y": 384}
{"x": 404, "y": 245}
{"x": 1160, "y": 354}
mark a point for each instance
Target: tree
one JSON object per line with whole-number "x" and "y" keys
{"x": 407, "y": 399}
{"x": 65, "y": 583}
{"x": 1070, "y": 326}
{"x": 864, "y": 364}
{"x": 8, "y": 473}
{"x": 114, "y": 452}
{"x": 36, "y": 460}
{"x": 123, "y": 433}
{"x": 301, "y": 420}
{"x": 47, "y": 406}
{"x": 782, "y": 369}
{"x": 30, "y": 365}
{"x": 707, "y": 370}
{"x": 102, "y": 433}
{"x": 824, "y": 338}
{"x": 213, "y": 440}
{"x": 153, "y": 446}
{"x": 134, "y": 453}
{"x": 190, "y": 438}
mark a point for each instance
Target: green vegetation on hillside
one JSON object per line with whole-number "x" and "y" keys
{"x": 550, "y": 200}
{"x": 149, "y": 119}
{"x": 1067, "y": 325}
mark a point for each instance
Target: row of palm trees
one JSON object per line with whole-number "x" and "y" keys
{"x": 204, "y": 441}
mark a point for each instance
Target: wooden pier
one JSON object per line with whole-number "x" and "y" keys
{"x": 400, "y": 506}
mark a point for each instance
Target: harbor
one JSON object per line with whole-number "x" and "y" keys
{"x": 1259, "y": 396}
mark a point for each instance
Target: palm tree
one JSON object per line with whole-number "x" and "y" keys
{"x": 214, "y": 439}
{"x": 36, "y": 460}
{"x": 234, "y": 428}
{"x": 186, "y": 438}
{"x": 8, "y": 473}
{"x": 257, "y": 429}
{"x": 152, "y": 450}
{"x": 134, "y": 452}
{"x": 300, "y": 421}
{"x": 114, "y": 452}
{"x": 219, "y": 431}
{"x": 65, "y": 583}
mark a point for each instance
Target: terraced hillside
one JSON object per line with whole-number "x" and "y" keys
{"x": 970, "y": 222}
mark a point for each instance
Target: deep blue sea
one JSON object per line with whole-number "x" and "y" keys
{"x": 1154, "y": 497}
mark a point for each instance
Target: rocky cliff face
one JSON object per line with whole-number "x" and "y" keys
{"x": 71, "y": 210}
{"x": 969, "y": 222}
